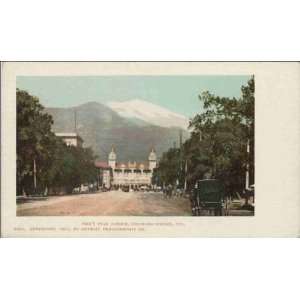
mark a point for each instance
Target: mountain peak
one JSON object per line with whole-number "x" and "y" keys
{"x": 149, "y": 112}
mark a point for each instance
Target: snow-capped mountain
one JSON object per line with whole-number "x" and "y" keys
{"x": 150, "y": 113}
{"x": 101, "y": 127}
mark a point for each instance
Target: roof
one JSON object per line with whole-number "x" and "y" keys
{"x": 134, "y": 165}
{"x": 69, "y": 135}
{"x": 65, "y": 134}
{"x": 102, "y": 164}
{"x": 128, "y": 165}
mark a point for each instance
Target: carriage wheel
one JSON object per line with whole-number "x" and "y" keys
{"x": 218, "y": 211}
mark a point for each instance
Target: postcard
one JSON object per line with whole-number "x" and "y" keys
{"x": 150, "y": 149}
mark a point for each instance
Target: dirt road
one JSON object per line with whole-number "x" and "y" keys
{"x": 114, "y": 203}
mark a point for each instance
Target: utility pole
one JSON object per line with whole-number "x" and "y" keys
{"x": 180, "y": 149}
{"x": 180, "y": 138}
{"x": 185, "y": 175}
{"x": 248, "y": 156}
{"x": 75, "y": 120}
{"x": 34, "y": 175}
{"x": 247, "y": 165}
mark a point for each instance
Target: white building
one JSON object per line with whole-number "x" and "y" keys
{"x": 105, "y": 174}
{"x": 131, "y": 174}
{"x": 70, "y": 138}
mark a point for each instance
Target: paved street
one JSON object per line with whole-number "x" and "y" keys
{"x": 113, "y": 203}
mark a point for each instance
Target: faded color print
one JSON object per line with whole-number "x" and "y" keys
{"x": 135, "y": 145}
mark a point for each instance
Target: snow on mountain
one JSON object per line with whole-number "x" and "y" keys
{"x": 149, "y": 112}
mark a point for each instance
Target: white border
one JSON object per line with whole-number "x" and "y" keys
{"x": 277, "y": 128}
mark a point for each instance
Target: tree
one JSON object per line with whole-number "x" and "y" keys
{"x": 170, "y": 167}
{"x": 34, "y": 140}
{"x": 224, "y": 130}
{"x": 70, "y": 167}
{"x": 57, "y": 165}
{"x": 218, "y": 143}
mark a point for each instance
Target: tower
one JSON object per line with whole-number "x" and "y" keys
{"x": 112, "y": 157}
{"x": 152, "y": 159}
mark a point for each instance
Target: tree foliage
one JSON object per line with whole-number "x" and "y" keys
{"x": 218, "y": 142}
{"x": 57, "y": 165}
{"x": 170, "y": 167}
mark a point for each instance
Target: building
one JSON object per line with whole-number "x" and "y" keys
{"x": 130, "y": 174}
{"x": 104, "y": 175}
{"x": 71, "y": 138}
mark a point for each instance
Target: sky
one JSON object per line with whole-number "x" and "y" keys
{"x": 176, "y": 93}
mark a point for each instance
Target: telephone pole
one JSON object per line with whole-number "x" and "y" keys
{"x": 247, "y": 165}
{"x": 34, "y": 175}
{"x": 185, "y": 174}
{"x": 180, "y": 138}
{"x": 248, "y": 156}
{"x": 75, "y": 120}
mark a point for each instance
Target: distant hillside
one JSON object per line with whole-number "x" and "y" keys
{"x": 101, "y": 127}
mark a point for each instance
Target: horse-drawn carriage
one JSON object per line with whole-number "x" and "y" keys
{"x": 206, "y": 197}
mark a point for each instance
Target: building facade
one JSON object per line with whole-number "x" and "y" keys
{"x": 130, "y": 174}
{"x": 104, "y": 174}
{"x": 70, "y": 139}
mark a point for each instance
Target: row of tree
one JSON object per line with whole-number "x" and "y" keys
{"x": 221, "y": 144}
{"x": 44, "y": 161}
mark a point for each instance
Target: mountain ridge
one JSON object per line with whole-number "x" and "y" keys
{"x": 101, "y": 127}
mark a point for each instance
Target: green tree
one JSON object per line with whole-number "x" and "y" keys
{"x": 34, "y": 140}
{"x": 218, "y": 143}
{"x": 70, "y": 167}
{"x": 223, "y": 131}
{"x": 57, "y": 165}
{"x": 170, "y": 168}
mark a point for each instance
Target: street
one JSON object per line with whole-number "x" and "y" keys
{"x": 113, "y": 203}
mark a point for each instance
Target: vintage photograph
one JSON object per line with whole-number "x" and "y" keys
{"x": 135, "y": 145}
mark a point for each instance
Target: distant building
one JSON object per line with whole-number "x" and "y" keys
{"x": 70, "y": 138}
{"x": 105, "y": 174}
{"x": 132, "y": 174}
